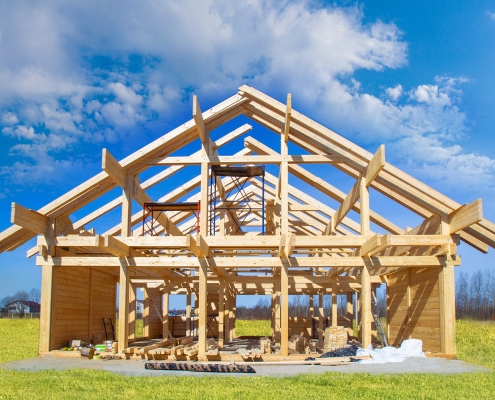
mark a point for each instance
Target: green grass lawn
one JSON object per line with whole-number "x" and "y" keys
{"x": 19, "y": 338}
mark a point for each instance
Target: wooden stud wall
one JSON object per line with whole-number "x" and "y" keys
{"x": 81, "y": 298}
{"x": 413, "y": 308}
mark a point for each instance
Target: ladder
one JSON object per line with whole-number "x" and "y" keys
{"x": 379, "y": 327}
{"x": 105, "y": 328}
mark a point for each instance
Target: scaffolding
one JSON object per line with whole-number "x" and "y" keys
{"x": 234, "y": 201}
{"x": 152, "y": 211}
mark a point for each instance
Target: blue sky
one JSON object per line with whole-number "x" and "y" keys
{"x": 79, "y": 76}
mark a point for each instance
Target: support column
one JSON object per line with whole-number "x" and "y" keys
{"x": 334, "y": 306}
{"x": 447, "y": 308}
{"x": 320, "y": 316}
{"x": 276, "y": 315}
{"x": 350, "y": 310}
{"x": 284, "y": 309}
{"x": 203, "y": 296}
{"x": 46, "y": 307}
{"x": 366, "y": 305}
{"x": 132, "y": 311}
{"x": 123, "y": 305}
{"x": 221, "y": 313}
{"x": 165, "y": 320}
{"x": 188, "y": 314}
{"x": 227, "y": 311}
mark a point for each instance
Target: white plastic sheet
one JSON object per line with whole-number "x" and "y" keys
{"x": 408, "y": 348}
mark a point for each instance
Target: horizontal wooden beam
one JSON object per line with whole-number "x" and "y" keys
{"x": 465, "y": 216}
{"x": 29, "y": 219}
{"x": 255, "y": 159}
{"x": 241, "y": 262}
{"x": 198, "y": 246}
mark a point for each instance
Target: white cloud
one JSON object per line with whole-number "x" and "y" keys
{"x": 395, "y": 92}
{"x": 90, "y": 72}
{"x": 491, "y": 15}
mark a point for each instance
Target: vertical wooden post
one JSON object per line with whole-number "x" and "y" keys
{"x": 188, "y": 313}
{"x": 334, "y": 306}
{"x": 320, "y": 316}
{"x": 146, "y": 312}
{"x": 227, "y": 312}
{"x": 350, "y": 309}
{"x": 221, "y": 313}
{"x": 123, "y": 305}
{"x": 447, "y": 307}
{"x": 127, "y": 206}
{"x": 365, "y": 207}
{"x": 203, "y": 296}
{"x": 284, "y": 308}
{"x": 165, "y": 319}
{"x": 276, "y": 314}
{"x": 46, "y": 307}
{"x": 366, "y": 305}
{"x": 132, "y": 311}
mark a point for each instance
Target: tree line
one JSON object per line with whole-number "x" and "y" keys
{"x": 33, "y": 295}
{"x": 475, "y": 295}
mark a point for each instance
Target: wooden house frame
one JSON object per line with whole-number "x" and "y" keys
{"x": 302, "y": 245}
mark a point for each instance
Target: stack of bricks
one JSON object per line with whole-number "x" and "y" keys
{"x": 265, "y": 346}
{"x": 335, "y": 338}
{"x": 297, "y": 343}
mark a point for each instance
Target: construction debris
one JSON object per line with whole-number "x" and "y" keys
{"x": 200, "y": 367}
{"x": 335, "y": 337}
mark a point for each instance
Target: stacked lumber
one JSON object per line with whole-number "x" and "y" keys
{"x": 265, "y": 345}
{"x": 297, "y": 343}
{"x": 335, "y": 337}
{"x": 164, "y": 349}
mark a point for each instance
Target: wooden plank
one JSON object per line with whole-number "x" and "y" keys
{"x": 465, "y": 216}
{"x": 373, "y": 245}
{"x": 116, "y": 247}
{"x": 203, "y": 295}
{"x": 198, "y": 246}
{"x": 46, "y": 308}
{"x": 29, "y": 219}
{"x": 114, "y": 169}
{"x": 123, "y": 305}
{"x": 288, "y": 112}
{"x": 198, "y": 119}
{"x": 375, "y": 165}
{"x": 349, "y": 201}
{"x": 253, "y": 159}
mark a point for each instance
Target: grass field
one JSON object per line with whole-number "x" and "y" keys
{"x": 18, "y": 339}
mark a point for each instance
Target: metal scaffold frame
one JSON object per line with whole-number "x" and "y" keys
{"x": 234, "y": 201}
{"x": 151, "y": 212}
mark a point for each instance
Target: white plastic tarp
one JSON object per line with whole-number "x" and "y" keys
{"x": 408, "y": 348}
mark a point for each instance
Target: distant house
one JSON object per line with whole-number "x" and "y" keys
{"x": 22, "y": 307}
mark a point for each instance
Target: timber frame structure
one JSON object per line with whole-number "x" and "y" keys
{"x": 306, "y": 247}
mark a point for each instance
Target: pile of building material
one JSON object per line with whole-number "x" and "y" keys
{"x": 297, "y": 344}
{"x": 265, "y": 345}
{"x": 165, "y": 349}
{"x": 335, "y": 337}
